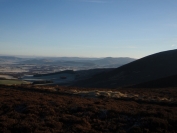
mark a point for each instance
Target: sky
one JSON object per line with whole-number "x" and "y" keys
{"x": 87, "y": 28}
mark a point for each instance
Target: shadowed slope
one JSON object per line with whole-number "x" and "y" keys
{"x": 151, "y": 67}
{"x": 170, "y": 81}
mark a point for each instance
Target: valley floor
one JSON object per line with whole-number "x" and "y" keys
{"x": 39, "y": 109}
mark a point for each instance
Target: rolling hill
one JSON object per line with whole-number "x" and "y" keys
{"x": 149, "y": 68}
{"x": 10, "y": 59}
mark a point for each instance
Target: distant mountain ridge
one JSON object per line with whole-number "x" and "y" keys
{"x": 113, "y": 62}
{"x": 105, "y": 62}
{"x": 5, "y": 59}
{"x": 149, "y": 68}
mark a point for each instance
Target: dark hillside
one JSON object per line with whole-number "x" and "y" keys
{"x": 149, "y": 68}
{"x": 170, "y": 81}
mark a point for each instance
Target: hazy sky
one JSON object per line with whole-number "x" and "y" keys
{"x": 87, "y": 28}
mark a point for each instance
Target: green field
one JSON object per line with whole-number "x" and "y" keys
{"x": 12, "y": 82}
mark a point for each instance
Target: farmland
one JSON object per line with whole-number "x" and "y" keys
{"x": 12, "y": 82}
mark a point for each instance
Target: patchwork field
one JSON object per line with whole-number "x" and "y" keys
{"x": 6, "y": 77}
{"x": 12, "y": 82}
{"x": 39, "y": 109}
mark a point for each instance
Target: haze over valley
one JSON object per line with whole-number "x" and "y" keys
{"x": 88, "y": 66}
{"x": 90, "y": 72}
{"x": 19, "y": 68}
{"x": 140, "y": 95}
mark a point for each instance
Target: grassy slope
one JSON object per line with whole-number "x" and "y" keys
{"x": 34, "y": 109}
{"x": 12, "y": 82}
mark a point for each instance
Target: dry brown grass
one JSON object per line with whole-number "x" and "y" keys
{"x": 42, "y": 109}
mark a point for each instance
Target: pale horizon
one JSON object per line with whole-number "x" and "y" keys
{"x": 87, "y": 28}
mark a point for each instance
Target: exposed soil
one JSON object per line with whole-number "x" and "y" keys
{"x": 39, "y": 109}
